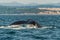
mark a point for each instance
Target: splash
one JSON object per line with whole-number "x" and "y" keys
{"x": 18, "y": 27}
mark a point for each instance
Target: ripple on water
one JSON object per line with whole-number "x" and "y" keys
{"x": 30, "y": 34}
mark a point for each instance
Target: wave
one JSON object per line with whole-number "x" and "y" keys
{"x": 17, "y": 27}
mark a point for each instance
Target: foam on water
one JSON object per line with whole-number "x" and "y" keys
{"x": 17, "y": 27}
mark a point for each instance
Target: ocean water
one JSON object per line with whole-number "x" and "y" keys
{"x": 17, "y": 10}
{"x": 52, "y": 22}
{"x": 31, "y": 34}
{"x": 43, "y": 20}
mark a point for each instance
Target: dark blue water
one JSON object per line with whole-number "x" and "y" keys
{"x": 31, "y": 34}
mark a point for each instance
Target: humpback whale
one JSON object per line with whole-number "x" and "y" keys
{"x": 24, "y": 24}
{"x": 28, "y": 22}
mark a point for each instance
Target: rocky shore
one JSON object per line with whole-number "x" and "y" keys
{"x": 50, "y": 11}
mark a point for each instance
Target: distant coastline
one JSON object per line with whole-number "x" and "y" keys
{"x": 52, "y": 11}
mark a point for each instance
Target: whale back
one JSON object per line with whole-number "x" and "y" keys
{"x": 29, "y": 21}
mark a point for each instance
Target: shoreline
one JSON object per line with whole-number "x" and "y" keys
{"x": 50, "y": 11}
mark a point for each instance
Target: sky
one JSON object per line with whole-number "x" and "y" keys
{"x": 30, "y": 1}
